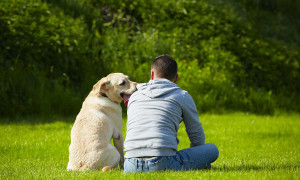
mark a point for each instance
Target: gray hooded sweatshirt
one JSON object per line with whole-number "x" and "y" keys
{"x": 153, "y": 115}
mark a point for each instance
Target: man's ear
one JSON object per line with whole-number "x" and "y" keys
{"x": 152, "y": 75}
{"x": 176, "y": 78}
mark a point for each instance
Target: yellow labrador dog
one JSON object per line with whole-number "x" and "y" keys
{"x": 99, "y": 121}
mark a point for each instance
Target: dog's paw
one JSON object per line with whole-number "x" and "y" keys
{"x": 105, "y": 168}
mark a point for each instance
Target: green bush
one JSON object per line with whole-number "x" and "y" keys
{"x": 52, "y": 52}
{"x": 42, "y": 55}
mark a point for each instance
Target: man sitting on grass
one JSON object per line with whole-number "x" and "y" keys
{"x": 154, "y": 113}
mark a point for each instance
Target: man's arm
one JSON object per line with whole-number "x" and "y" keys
{"x": 191, "y": 120}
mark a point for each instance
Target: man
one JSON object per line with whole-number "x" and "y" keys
{"x": 153, "y": 115}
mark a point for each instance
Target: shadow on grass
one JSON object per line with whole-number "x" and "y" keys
{"x": 42, "y": 119}
{"x": 34, "y": 120}
{"x": 256, "y": 168}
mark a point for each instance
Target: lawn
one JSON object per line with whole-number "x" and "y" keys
{"x": 251, "y": 147}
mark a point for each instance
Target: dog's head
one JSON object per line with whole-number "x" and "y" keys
{"x": 115, "y": 86}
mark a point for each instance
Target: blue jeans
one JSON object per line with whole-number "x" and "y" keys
{"x": 192, "y": 158}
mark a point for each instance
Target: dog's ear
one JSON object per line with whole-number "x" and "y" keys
{"x": 101, "y": 85}
{"x": 104, "y": 85}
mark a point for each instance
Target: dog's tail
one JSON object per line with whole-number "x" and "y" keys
{"x": 106, "y": 168}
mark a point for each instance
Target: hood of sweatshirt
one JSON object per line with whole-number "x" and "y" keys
{"x": 157, "y": 88}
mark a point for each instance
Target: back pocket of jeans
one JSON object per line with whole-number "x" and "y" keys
{"x": 130, "y": 166}
{"x": 156, "y": 161}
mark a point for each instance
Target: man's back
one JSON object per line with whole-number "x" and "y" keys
{"x": 154, "y": 113}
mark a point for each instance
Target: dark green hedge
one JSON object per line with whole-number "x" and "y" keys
{"x": 52, "y": 51}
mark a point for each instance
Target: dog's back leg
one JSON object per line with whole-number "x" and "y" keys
{"x": 108, "y": 156}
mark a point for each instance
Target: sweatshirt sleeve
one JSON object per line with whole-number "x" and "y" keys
{"x": 191, "y": 120}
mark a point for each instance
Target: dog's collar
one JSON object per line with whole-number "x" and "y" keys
{"x": 103, "y": 94}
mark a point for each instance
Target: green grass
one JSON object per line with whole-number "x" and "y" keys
{"x": 251, "y": 147}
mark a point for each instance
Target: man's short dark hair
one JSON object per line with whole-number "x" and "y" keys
{"x": 165, "y": 67}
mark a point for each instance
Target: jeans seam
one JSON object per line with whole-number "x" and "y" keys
{"x": 205, "y": 158}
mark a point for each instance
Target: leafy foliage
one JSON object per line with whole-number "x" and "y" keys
{"x": 53, "y": 51}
